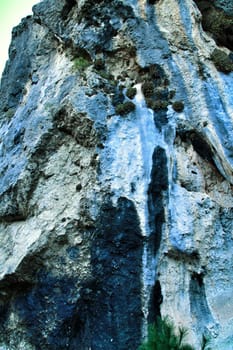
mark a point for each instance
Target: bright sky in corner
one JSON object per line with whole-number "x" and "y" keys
{"x": 11, "y": 12}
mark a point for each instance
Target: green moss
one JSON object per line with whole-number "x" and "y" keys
{"x": 222, "y": 61}
{"x": 131, "y": 92}
{"x": 125, "y": 108}
{"x": 178, "y": 106}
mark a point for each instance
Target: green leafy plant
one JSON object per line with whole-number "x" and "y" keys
{"x": 81, "y": 63}
{"x": 163, "y": 336}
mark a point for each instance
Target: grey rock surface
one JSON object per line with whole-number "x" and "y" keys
{"x": 115, "y": 210}
{"x": 225, "y": 5}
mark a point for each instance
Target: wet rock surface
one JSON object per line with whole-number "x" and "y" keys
{"x": 108, "y": 218}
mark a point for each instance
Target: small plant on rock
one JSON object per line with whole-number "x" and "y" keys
{"x": 81, "y": 63}
{"x": 148, "y": 89}
{"x": 178, "y": 106}
{"x": 217, "y": 22}
{"x": 131, "y": 92}
{"x": 156, "y": 105}
{"x": 222, "y": 61}
{"x": 125, "y": 108}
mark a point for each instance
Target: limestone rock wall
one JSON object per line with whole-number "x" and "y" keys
{"x": 116, "y": 203}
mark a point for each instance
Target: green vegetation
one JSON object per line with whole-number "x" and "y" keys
{"x": 163, "y": 336}
{"x": 81, "y": 63}
{"x": 178, "y": 106}
{"x": 156, "y": 105}
{"x": 131, "y": 92}
{"x": 125, "y": 108}
{"x": 105, "y": 75}
{"x": 217, "y": 22}
{"x": 222, "y": 61}
{"x": 148, "y": 89}
{"x": 155, "y": 93}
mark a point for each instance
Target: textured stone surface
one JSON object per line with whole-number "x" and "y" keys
{"x": 225, "y": 5}
{"x": 107, "y": 221}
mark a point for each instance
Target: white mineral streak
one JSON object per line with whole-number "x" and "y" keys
{"x": 128, "y": 154}
{"x": 128, "y": 162}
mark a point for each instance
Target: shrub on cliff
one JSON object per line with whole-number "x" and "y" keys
{"x": 178, "y": 106}
{"x": 219, "y": 24}
{"x": 156, "y": 105}
{"x": 125, "y": 108}
{"x": 131, "y": 92}
{"x": 148, "y": 89}
{"x": 222, "y": 61}
{"x": 162, "y": 336}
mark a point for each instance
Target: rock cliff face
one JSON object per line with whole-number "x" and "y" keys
{"x": 116, "y": 151}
